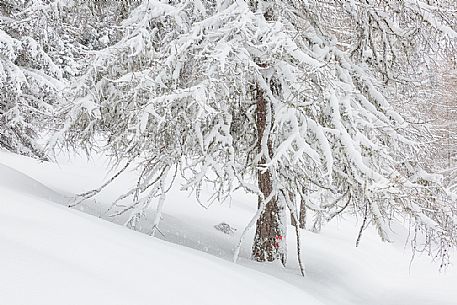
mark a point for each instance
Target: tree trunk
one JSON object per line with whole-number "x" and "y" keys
{"x": 269, "y": 241}
{"x": 302, "y": 217}
{"x": 301, "y": 213}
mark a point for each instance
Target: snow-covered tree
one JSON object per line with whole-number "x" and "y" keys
{"x": 442, "y": 112}
{"x": 285, "y": 99}
{"x": 30, "y": 76}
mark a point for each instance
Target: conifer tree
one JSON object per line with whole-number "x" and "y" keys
{"x": 288, "y": 100}
{"x": 31, "y": 76}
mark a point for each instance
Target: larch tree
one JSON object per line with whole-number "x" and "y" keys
{"x": 43, "y": 44}
{"x": 288, "y": 100}
{"x": 31, "y": 76}
{"x": 442, "y": 112}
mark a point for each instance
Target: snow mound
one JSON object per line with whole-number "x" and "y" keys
{"x": 52, "y": 255}
{"x": 15, "y": 180}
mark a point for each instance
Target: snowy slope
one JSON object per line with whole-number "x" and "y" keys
{"x": 61, "y": 256}
{"x": 53, "y": 255}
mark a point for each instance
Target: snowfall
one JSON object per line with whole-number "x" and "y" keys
{"x": 51, "y": 254}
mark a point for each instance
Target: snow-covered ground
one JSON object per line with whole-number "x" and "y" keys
{"x": 50, "y": 254}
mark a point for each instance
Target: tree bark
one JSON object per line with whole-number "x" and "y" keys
{"x": 302, "y": 215}
{"x": 269, "y": 240}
